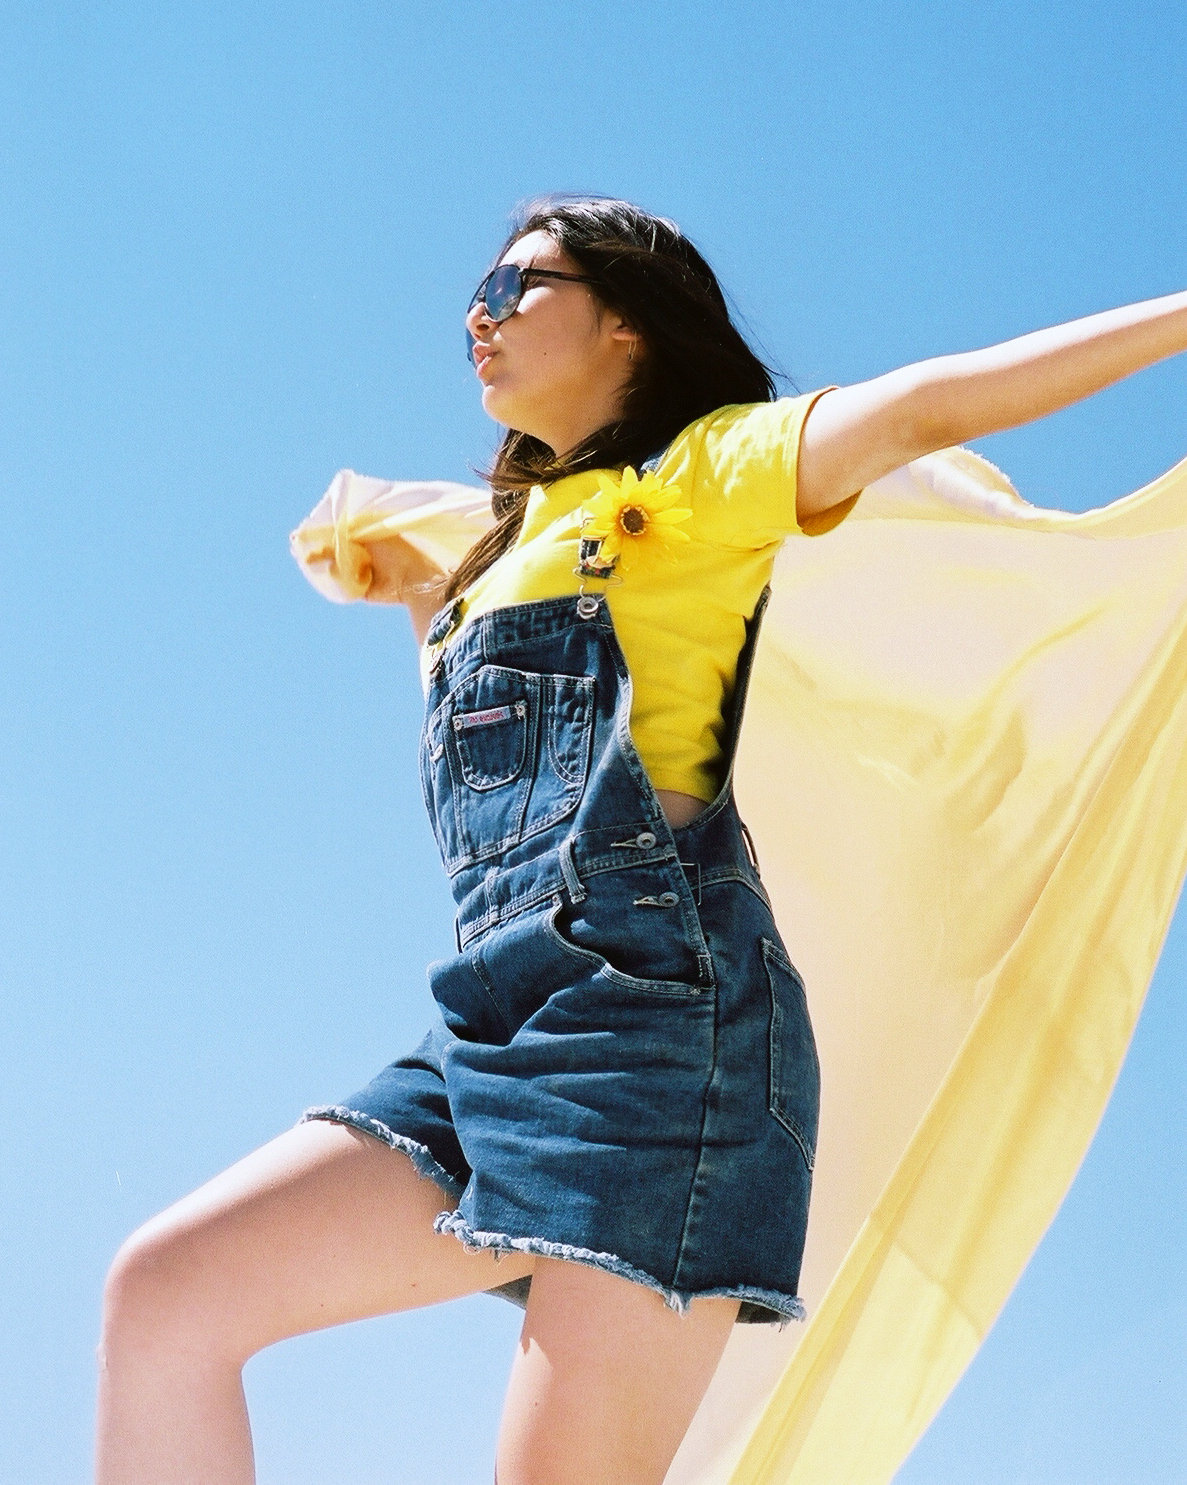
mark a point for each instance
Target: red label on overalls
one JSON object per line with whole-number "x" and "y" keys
{"x": 478, "y": 719}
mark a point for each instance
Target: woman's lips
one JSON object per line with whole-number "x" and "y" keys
{"x": 482, "y": 355}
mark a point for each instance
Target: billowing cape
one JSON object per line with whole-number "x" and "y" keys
{"x": 964, "y": 767}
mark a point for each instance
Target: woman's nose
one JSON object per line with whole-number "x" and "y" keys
{"x": 477, "y": 319}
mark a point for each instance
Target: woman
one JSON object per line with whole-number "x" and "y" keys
{"x": 618, "y": 1100}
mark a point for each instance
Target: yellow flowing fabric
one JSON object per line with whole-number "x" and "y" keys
{"x": 965, "y": 768}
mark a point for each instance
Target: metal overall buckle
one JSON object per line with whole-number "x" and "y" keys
{"x": 591, "y": 565}
{"x": 441, "y": 626}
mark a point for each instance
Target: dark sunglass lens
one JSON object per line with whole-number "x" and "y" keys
{"x": 504, "y": 289}
{"x": 479, "y": 294}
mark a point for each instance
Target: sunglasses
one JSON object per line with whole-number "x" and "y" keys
{"x": 503, "y": 287}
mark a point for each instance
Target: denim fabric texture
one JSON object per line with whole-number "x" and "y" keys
{"x": 622, "y": 1070}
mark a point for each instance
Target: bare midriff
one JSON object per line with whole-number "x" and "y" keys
{"x": 679, "y": 808}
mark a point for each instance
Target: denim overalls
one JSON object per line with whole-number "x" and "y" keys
{"x": 622, "y": 1071}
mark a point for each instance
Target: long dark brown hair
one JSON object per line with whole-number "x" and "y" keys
{"x": 695, "y": 360}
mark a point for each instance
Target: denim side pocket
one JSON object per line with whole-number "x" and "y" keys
{"x": 613, "y": 957}
{"x": 794, "y": 1089}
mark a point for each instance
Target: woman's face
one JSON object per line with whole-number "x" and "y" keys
{"x": 557, "y": 368}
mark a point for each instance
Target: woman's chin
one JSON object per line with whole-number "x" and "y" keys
{"x": 494, "y": 405}
{"x": 497, "y": 404}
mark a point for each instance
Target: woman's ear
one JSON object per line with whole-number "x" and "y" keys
{"x": 625, "y": 332}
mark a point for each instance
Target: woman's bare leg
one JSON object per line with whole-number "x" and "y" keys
{"x": 606, "y": 1379}
{"x": 320, "y": 1226}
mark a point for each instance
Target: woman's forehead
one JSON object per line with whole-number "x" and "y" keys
{"x": 536, "y": 248}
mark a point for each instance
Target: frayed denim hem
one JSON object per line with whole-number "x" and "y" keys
{"x": 420, "y": 1155}
{"x": 759, "y": 1306}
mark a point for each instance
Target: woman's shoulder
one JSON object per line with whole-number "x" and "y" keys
{"x": 738, "y": 465}
{"x": 735, "y": 466}
{"x": 741, "y": 440}
{"x": 743, "y": 432}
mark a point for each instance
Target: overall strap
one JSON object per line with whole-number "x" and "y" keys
{"x": 737, "y": 703}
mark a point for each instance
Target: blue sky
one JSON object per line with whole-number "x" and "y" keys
{"x": 235, "y": 245}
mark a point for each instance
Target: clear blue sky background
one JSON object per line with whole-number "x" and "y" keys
{"x": 235, "y": 245}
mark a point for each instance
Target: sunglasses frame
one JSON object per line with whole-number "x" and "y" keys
{"x": 523, "y": 275}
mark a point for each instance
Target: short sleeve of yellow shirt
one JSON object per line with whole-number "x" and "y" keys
{"x": 679, "y": 607}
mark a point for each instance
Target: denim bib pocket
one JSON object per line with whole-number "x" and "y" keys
{"x": 794, "y": 1085}
{"x": 491, "y": 743}
{"x": 504, "y": 756}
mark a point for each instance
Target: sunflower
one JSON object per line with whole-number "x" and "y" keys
{"x": 631, "y": 515}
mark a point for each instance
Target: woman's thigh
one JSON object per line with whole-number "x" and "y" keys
{"x": 321, "y": 1225}
{"x": 606, "y": 1379}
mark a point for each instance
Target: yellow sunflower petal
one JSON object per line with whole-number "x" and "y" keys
{"x": 602, "y": 510}
{"x": 659, "y": 494}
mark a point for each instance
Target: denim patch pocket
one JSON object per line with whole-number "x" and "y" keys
{"x": 794, "y": 1088}
{"x": 504, "y": 756}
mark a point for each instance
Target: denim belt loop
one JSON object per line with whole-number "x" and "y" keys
{"x": 577, "y": 892}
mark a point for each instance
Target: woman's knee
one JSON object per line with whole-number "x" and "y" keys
{"x": 166, "y": 1290}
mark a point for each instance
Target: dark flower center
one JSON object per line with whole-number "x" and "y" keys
{"x": 633, "y": 520}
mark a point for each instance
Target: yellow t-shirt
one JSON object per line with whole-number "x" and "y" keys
{"x": 679, "y": 607}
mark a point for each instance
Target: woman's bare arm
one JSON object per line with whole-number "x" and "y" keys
{"x": 856, "y": 434}
{"x": 402, "y": 574}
